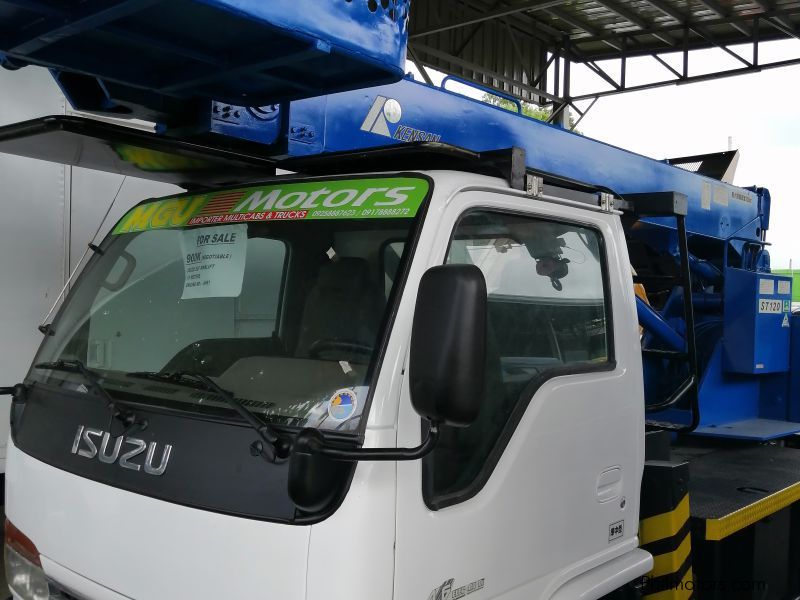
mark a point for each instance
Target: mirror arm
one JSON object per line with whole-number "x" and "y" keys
{"x": 18, "y": 390}
{"x": 312, "y": 442}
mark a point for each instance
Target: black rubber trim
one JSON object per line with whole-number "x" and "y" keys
{"x": 396, "y": 294}
{"x": 434, "y": 502}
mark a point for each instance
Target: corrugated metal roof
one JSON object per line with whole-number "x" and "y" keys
{"x": 507, "y": 43}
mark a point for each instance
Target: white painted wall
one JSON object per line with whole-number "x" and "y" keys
{"x": 48, "y": 213}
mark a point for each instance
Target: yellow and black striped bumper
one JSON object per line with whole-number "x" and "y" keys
{"x": 665, "y": 531}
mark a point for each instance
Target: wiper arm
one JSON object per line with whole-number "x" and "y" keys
{"x": 177, "y": 377}
{"x": 126, "y": 416}
{"x": 271, "y": 447}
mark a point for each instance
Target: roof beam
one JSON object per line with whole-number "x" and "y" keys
{"x": 584, "y": 27}
{"x": 473, "y": 32}
{"x": 626, "y": 13}
{"x": 574, "y": 22}
{"x": 705, "y": 34}
{"x": 527, "y": 69}
{"x": 421, "y": 67}
{"x": 524, "y": 24}
{"x": 489, "y": 16}
{"x": 693, "y": 79}
{"x": 781, "y": 26}
{"x": 520, "y": 21}
{"x": 423, "y": 49}
{"x": 677, "y": 27}
{"x": 669, "y": 10}
{"x": 714, "y": 7}
{"x": 635, "y": 18}
{"x": 597, "y": 70}
{"x": 667, "y": 66}
{"x": 582, "y": 113}
{"x": 768, "y": 6}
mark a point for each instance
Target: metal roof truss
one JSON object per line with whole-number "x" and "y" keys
{"x": 526, "y": 47}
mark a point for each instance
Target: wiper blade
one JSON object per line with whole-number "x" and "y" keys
{"x": 270, "y": 447}
{"x": 76, "y": 366}
{"x": 177, "y": 377}
{"x": 126, "y": 416}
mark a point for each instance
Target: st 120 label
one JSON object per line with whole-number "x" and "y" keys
{"x": 770, "y": 306}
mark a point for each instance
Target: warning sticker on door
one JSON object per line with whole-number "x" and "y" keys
{"x": 785, "y": 321}
{"x": 616, "y": 530}
{"x": 213, "y": 261}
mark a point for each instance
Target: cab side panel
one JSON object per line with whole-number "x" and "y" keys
{"x": 563, "y": 496}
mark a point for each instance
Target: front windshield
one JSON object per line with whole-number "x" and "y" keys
{"x": 278, "y": 292}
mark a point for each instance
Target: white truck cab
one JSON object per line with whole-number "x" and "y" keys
{"x": 133, "y": 471}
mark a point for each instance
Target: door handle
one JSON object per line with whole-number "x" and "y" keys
{"x": 609, "y": 484}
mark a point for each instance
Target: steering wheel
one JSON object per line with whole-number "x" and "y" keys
{"x": 330, "y": 345}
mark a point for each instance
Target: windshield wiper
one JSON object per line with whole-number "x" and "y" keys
{"x": 126, "y": 416}
{"x": 271, "y": 447}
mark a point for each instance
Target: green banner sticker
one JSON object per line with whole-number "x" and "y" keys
{"x": 377, "y": 198}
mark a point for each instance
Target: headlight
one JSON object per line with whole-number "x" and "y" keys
{"x": 23, "y": 568}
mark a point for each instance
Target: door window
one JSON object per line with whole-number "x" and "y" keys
{"x": 547, "y": 316}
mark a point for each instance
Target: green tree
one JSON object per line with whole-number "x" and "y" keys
{"x": 529, "y": 110}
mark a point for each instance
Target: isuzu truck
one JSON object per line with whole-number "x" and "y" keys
{"x": 455, "y": 353}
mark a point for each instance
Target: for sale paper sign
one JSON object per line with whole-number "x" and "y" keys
{"x": 213, "y": 261}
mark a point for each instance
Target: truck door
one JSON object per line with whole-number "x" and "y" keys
{"x": 544, "y": 486}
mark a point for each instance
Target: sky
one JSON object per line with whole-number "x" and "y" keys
{"x": 760, "y": 112}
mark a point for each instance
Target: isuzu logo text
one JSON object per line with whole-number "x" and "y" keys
{"x": 91, "y": 443}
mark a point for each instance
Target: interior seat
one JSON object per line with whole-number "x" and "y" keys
{"x": 344, "y": 307}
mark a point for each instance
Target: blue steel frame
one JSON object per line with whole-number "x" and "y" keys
{"x": 339, "y": 122}
{"x": 153, "y": 58}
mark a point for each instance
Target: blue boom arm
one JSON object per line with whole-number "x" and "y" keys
{"x": 410, "y": 111}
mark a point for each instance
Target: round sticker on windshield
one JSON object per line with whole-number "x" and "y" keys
{"x": 342, "y": 405}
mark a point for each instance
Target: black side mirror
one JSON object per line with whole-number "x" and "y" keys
{"x": 448, "y": 345}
